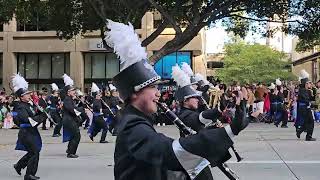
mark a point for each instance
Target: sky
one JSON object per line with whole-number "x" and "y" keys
{"x": 216, "y": 37}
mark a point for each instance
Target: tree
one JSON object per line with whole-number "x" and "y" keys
{"x": 253, "y": 63}
{"x": 186, "y": 17}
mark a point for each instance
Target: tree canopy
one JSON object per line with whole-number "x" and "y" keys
{"x": 186, "y": 17}
{"x": 253, "y": 63}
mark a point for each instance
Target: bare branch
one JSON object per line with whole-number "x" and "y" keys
{"x": 265, "y": 20}
{"x": 155, "y": 34}
{"x": 97, "y": 11}
{"x": 166, "y": 15}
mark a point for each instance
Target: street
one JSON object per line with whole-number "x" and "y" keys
{"x": 268, "y": 152}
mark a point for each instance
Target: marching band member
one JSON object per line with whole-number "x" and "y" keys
{"x": 98, "y": 122}
{"x": 29, "y": 138}
{"x": 141, "y": 152}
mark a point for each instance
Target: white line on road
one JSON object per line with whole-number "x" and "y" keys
{"x": 274, "y": 162}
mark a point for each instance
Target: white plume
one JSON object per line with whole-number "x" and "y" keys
{"x": 278, "y": 82}
{"x": 187, "y": 69}
{"x": 180, "y": 77}
{"x": 94, "y": 88}
{"x": 112, "y": 87}
{"x": 79, "y": 93}
{"x": 125, "y": 42}
{"x": 54, "y": 87}
{"x": 67, "y": 80}
{"x": 19, "y": 82}
{"x": 304, "y": 74}
{"x": 272, "y": 86}
{"x": 199, "y": 77}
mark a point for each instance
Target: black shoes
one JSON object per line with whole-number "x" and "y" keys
{"x": 104, "y": 141}
{"x": 311, "y": 139}
{"x": 72, "y": 156}
{"x": 284, "y": 126}
{"x": 91, "y": 137}
{"x": 56, "y": 135}
{"x": 18, "y": 170}
{"x": 31, "y": 177}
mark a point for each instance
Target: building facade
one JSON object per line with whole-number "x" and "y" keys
{"x": 309, "y": 61}
{"x": 42, "y": 58}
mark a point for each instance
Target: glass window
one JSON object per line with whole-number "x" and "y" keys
{"x": 57, "y": 65}
{"x": 21, "y": 59}
{"x": 112, "y": 65}
{"x": 98, "y": 65}
{"x": 44, "y": 66}
{"x": 87, "y": 66}
{"x": 67, "y": 59}
{"x": 31, "y": 66}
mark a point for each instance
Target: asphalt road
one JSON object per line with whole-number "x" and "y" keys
{"x": 269, "y": 153}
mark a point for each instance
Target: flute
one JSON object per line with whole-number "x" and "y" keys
{"x": 188, "y": 131}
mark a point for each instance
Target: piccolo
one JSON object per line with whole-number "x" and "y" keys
{"x": 188, "y": 131}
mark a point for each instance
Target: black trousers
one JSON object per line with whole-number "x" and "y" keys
{"x": 57, "y": 118}
{"x": 31, "y": 159}
{"x": 309, "y": 125}
{"x": 100, "y": 124}
{"x": 73, "y": 129}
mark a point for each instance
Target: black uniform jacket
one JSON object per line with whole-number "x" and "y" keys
{"x": 28, "y": 137}
{"x": 304, "y": 113}
{"x": 142, "y": 153}
{"x": 70, "y": 119}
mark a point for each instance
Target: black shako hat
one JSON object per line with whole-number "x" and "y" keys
{"x": 135, "y": 72}
{"x": 134, "y": 78}
{"x": 304, "y": 77}
{"x": 186, "y": 92}
{"x": 185, "y": 89}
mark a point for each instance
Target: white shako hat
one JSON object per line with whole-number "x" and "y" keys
{"x": 185, "y": 89}
{"x": 135, "y": 72}
{"x": 20, "y": 85}
{"x": 304, "y": 77}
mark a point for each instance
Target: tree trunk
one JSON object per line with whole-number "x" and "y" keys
{"x": 176, "y": 43}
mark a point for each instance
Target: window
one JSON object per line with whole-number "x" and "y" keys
{"x": 43, "y": 68}
{"x": 164, "y": 66}
{"x": 1, "y": 27}
{"x": 100, "y": 66}
{"x": 214, "y": 64}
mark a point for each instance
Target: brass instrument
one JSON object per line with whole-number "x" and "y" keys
{"x": 215, "y": 96}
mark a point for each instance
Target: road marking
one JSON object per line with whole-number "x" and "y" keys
{"x": 273, "y": 162}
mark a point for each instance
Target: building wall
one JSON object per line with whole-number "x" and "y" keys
{"x": 13, "y": 42}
